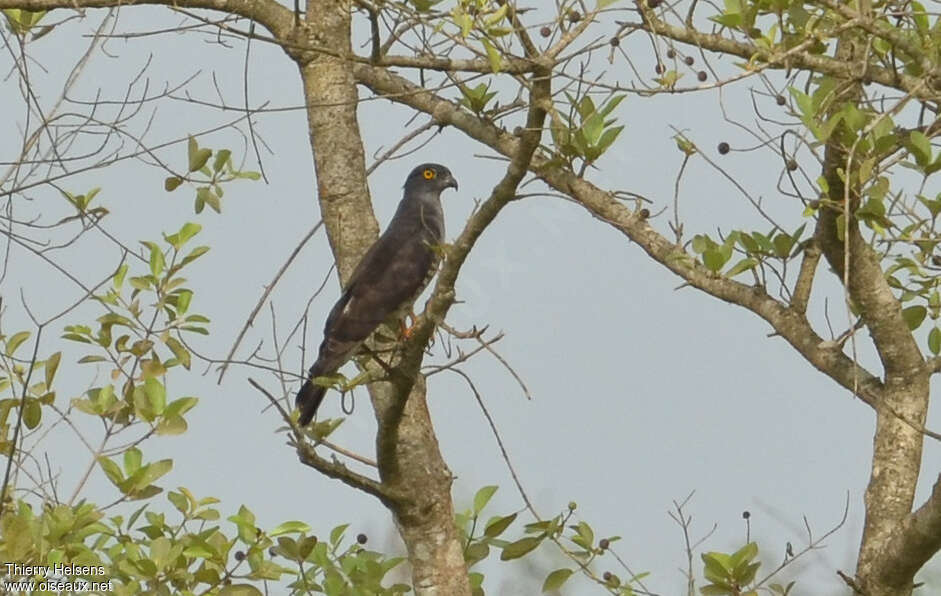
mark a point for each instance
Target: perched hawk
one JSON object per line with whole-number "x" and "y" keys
{"x": 387, "y": 280}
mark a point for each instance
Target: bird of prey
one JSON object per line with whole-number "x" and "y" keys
{"x": 390, "y": 276}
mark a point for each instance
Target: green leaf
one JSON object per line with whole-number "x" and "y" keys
{"x": 914, "y": 315}
{"x": 240, "y": 590}
{"x": 289, "y": 527}
{"x": 32, "y": 413}
{"x": 498, "y": 525}
{"x": 152, "y": 367}
{"x": 555, "y": 579}
{"x": 611, "y": 105}
{"x": 483, "y": 497}
{"x": 156, "y": 395}
{"x": 729, "y": 20}
{"x": 743, "y": 555}
{"x": 194, "y": 254}
{"x": 804, "y": 102}
{"x": 783, "y": 244}
{"x": 222, "y": 158}
{"x": 118, "y": 279}
{"x": 132, "y": 460}
{"x": 179, "y": 501}
{"x": 15, "y": 341}
{"x": 157, "y": 262}
{"x": 111, "y": 470}
{"x": 205, "y": 196}
{"x": 172, "y": 183}
{"x": 87, "y": 359}
{"x": 336, "y": 534}
{"x": 493, "y": 55}
{"x": 585, "y": 537}
{"x": 742, "y": 266}
{"x": 21, "y": 21}
{"x": 520, "y": 548}
{"x": 713, "y": 259}
{"x": 52, "y": 365}
{"x": 747, "y": 574}
{"x": 685, "y": 145}
{"x": 152, "y": 472}
{"x": 497, "y": 16}
{"x": 608, "y": 137}
{"x": 197, "y": 157}
{"x": 717, "y": 568}
{"x": 180, "y": 406}
{"x": 171, "y": 425}
{"x": 716, "y": 590}
{"x": 920, "y": 147}
{"x": 181, "y": 353}
{"x": 476, "y": 552}
{"x": 180, "y": 238}
{"x": 424, "y": 5}
{"x": 934, "y": 341}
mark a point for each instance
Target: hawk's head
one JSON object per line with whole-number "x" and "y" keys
{"x": 430, "y": 176}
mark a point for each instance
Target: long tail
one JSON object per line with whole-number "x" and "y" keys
{"x": 308, "y": 400}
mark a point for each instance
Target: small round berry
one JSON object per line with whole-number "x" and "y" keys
{"x": 361, "y": 538}
{"x": 545, "y": 32}
{"x": 644, "y": 213}
{"x": 574, "y": 16}
{"x": 724, "y": 148}
{"x": 671, "y": 53}
{"x": 573, "y": 505}
{"x": 746, "y": 514}
{"x": 780, "y": 100}
{"x": 701, "y": 75}
{"x": 239, "y": 555}
{"x": 607, "y": 576}
{"x": 660, "y": 69}
{"x": 689, "y": 60}
{"x": 604, "y": 543}
{"x": 791, "y": 165}
{"x": 272, "y": 552}
{"x": 615, "y": 42}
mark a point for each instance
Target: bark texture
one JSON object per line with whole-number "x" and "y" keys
{"x": 902, "y": 404}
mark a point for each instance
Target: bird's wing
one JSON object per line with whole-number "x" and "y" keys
{"x": 390, "y": 274}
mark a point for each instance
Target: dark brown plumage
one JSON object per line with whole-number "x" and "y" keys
{"x": 390, "y": 276}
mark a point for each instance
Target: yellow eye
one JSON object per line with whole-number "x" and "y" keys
{"x": 429, "y": 174}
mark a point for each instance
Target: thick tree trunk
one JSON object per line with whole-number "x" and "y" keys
{"x": 410, "y": 463}
{"x": 902, "y": 404}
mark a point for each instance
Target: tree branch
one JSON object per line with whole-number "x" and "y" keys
{"x": 787, "y": 322}
{"x": 338, "y": 471}
{"x": 805, "y": 278}
{"x": 268, "y": 13}
{"x": 780, "y": 60}
{"x": 307, "y": 454}
{"x": 884, "y": 31}
{"x": 912, "y": 543}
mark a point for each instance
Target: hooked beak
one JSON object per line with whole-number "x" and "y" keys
{"x": 450, "y": 182}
